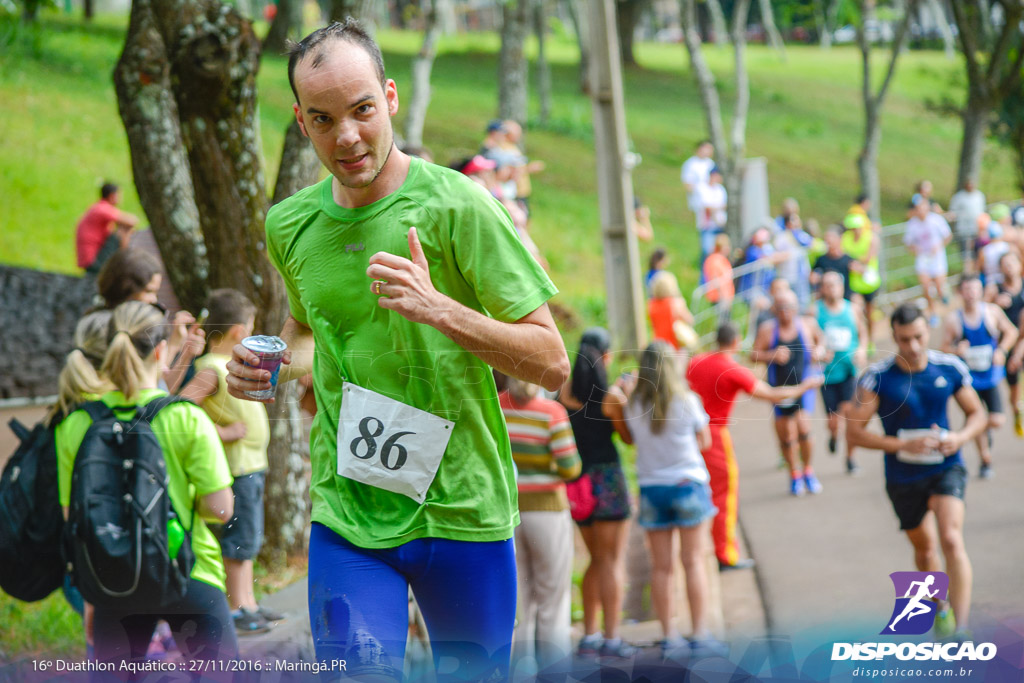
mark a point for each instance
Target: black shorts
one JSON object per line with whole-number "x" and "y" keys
{"x": 1012, "y": 378}
{"x": 870, "y": 296}
{"x": 991, "y": 398}
{"x": 242, "y": 537}
{"x": 910, "y": 501}
{"x": 612, "y": 494}
{"x": 838, "y": 392}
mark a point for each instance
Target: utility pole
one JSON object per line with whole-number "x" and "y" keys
{"x": 614, "y": 183}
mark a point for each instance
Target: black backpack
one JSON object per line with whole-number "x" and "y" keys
{"x": 116, "y": 539}
{"x": 31, "y": 522}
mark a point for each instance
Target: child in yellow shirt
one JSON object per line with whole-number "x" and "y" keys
{"x": 244, "y": 429}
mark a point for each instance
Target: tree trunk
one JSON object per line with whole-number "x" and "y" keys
{"x": 738, "y": 133}
{"x": 87, "y": 6}
{"x": 948, "y": 41}
{"x": 357, "y": 9}
{"x": 287, "y": 23}
{"x": 187, "y": 93}
{"x": 543, "y": 68}
{"x": 572, "y": 9}
{"x": 774, "y": 37}
{"x": 976, "y": 120}
{"x": 512, "y": 61}
{"x": 867, "y": 161}
{"x": 286, "y": 496}
{"x": 627, "y": 13}
{"x": 422, "y": 65}
{"x": 160, "y": 167}
{"x": 718, "y": 26}
{"x": 300, "y": 166}
{"x": 705, "y": 80}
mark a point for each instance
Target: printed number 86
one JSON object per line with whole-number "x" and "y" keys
{"x": 391, "y": 444}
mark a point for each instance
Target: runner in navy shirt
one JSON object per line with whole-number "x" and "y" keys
{"x": 924, "y": 472}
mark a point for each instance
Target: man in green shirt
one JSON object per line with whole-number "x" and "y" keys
{"x": 406, "y": 283}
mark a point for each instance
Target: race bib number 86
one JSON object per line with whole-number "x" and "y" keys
{"x": 388, "y": 444}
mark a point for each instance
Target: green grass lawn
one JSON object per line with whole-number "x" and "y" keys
{"x": 60, "y": 136}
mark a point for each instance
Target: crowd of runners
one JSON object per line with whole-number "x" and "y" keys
{"x": 456, "y": 448}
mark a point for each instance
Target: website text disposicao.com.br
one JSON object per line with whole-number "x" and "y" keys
{"x": 867, "y": 672}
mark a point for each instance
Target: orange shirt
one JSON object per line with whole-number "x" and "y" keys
{"x": 717, "y": 266}
{"x": 660, "y": 313}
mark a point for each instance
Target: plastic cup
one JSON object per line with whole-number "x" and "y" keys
{"x": 270, "y": 351}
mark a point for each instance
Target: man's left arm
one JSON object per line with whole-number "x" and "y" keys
{"x": 977, "y": 420}
{"x": 530, "y": 348}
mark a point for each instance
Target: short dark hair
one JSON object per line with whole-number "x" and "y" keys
{"x": 125, "y": 274}
{"x": 701, "y": 143}
{"x": 860, "y": 198}
{"x": 970, "y": 277}
{"x": 349, "y": 31}
{"x": 657, "y": 256}
{"x": 727, "y": 334}
{"x": 225, "y": 308}
{"x": 905, "y": 314}
{"x": 108, "y": 190}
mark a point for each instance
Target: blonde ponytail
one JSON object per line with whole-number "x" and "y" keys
{"x": 80, "y": 375}
{"x": 136, "y": 328}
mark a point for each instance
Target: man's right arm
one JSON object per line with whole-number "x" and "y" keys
{"x": 298, "y": 361}
{"x": 766, "y": 392}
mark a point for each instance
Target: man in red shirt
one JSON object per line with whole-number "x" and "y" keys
{"x": 716, "y": 377}
{"x": 94, "y": 229}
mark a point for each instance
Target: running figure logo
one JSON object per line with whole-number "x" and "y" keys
{"x": 917, "y": 594}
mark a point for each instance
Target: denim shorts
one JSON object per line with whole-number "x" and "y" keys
{"x": 685, "y": 504}
{"x": 242, "y": 537}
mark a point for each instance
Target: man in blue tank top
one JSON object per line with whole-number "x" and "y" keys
{"x": 924, "y": 472}
{"x": 983, "y": 337}
{"x": 846, "y": 344}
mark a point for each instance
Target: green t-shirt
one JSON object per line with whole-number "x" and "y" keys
{"x": 476, "y": 258}
{"x": 195, "y": 463}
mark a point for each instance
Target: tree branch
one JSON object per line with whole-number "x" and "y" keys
{"x": 968, "y": 38}
{"x": 897, "y": 46}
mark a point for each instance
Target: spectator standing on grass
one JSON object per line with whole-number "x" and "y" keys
{"x": 964, "y": 208}
{"x": 103, "y": 230}
{"x": 544, "y": 451}
{"x": 606, "y": 530}
{"x": 668, "y": 424}
{"x": 695, "y": 172}
{"x": 712, "y": 217}
{"x": 245, "y": 432}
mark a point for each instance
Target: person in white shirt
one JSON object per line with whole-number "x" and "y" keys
{"x": 964, "y": 208}
{"x": 695, "y": 172}
{"x": 669, "y": 426}
{"x": 713, "y": 200}
{"x": 926, "y": 238}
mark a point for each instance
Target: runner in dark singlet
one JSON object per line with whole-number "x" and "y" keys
{"x": 1009, "y": 296}
{"x": 791, "y": 346}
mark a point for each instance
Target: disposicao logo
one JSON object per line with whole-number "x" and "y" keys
{"x": 917, "y": 594}
{"x": 916, "y": 604}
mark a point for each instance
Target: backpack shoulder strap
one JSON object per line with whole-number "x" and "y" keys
{"x": 20, "y": 430}
{"x": 151, "y": 409}
{"x": 97, "y": 410}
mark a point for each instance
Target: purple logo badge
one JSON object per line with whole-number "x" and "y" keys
{"x": 917, "y": 594}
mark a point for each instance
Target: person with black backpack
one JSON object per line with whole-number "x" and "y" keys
{"x": 138, "y": 472}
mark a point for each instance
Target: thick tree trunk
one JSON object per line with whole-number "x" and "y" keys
{"x": 627, "y": 13}
{"x": 512, "y": 67}
{"x": 286, "y": 497}
{"x": 579, "y": 28}
{"x": 422, "y": 64}
{"x": 543, "y": 68}
{"x": 718, "y": 26}
{"x": 976, "y": 120}
{"x": 159, "y": 163}
{"x": 186, "y": 86}
{"x": 867, "y": 161}
{"x": 774, "y": 37}
{"x": 88, "y": 9}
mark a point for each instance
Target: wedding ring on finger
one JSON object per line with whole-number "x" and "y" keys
{"x": 376, "y": 286}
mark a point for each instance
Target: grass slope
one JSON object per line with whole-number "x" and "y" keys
{"x": 60, "y": 136}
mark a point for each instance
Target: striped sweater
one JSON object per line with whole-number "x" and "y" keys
{"x": 544, "y": 451}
